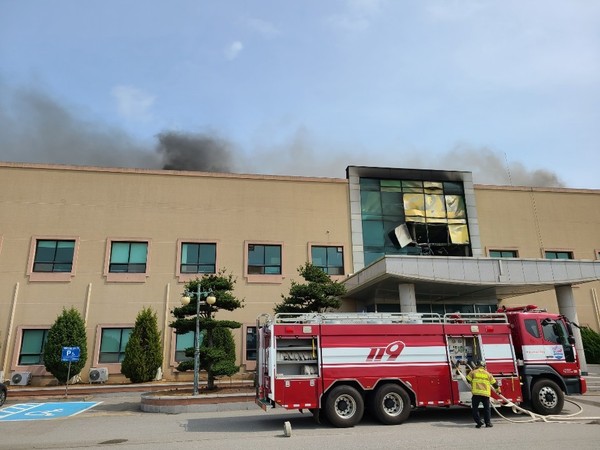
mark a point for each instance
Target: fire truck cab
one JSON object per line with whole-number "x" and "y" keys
{"x": 338, "y": 364}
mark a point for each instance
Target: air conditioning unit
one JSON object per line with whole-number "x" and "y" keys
{"x": 98, "y": 375}
{"x": 20, "y": 378}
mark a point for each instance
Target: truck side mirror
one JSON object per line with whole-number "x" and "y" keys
{"x": 571, "y": 340}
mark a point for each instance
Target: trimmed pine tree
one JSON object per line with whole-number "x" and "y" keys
{"x": 215, "y": 353}
{"x": 319, "y": 294}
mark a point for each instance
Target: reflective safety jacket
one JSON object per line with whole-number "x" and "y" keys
{"x": 481, "y": 382}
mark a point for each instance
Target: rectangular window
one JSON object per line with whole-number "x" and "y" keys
{"x": 503, "y": 254}
{"x": 330, "y": 259}
{"x": 183, "y": 342}
{"x": 433, "y": 213}
{"x": 531, "y": 326}
{"x": 558, "y": 255}
{"x": 112, "y": 344}
{"x": 251, "y": 344}
{"x": 198, "y": 257}
{"x": 128, "y": 257}
{"x": 264, "y": 259}
{"x": 32, "y": 347}
{"x": 54, "y": 255}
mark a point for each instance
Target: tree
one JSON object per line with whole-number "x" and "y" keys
{"x": 67, "y": 331}
{"x": 218, "y": 353}
{"x": 143, "y": 353}
{"x": 319, "y": 294}
{"x": 214, "y": 356}
{"x": 591, "y": 345}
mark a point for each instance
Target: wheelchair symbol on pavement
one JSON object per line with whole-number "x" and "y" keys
{"x": 50, "y": 413}
{"x": 44, "y": 411}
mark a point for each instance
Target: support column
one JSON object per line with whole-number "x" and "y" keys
{"x": 408, "y": 299}
{"x": 566, "y": 307}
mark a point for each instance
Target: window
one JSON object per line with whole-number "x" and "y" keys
{"x": 32, "y": 347}
{"x": 250, "y": 343}
{"x": 413, "y": 217}
{"x": 452, "y": 308}
{"x": 112, "y": 344}
{"x": 552, "y": 331}
{"x": 532, "y": 327}
{"x": 198, "y": 258}
{"x": 128, "y": 257}
{"x": 503, "y": 254}
{"x": 558, "y": 255}
{"x": 183, "y": 342}
{"x": 54, "y": 256}
{"x": 330, "y": 259}
{"x": 264, "y": 259}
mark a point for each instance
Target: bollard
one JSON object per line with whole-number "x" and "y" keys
{"x": 287, "y": 429}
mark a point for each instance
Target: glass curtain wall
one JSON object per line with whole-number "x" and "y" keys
{"x": 413, "y": 217}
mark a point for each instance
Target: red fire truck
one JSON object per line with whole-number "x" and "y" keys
{"x": 338, "y": 364}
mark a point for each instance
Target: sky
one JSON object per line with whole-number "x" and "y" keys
{"x": 509, "y": 90}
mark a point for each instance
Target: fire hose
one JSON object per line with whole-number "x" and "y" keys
{"x": 534, "y": 417}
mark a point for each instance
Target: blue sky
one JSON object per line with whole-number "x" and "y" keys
{"x": 507, "y": 89}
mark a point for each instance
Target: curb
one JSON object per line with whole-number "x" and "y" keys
{"x": 177, "y": 404}
{"x": 100, "y": 389}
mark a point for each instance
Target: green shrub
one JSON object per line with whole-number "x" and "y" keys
{"x": 68, "y": 331}
{"x": 220, "y": 356}
{"x": 591, "y": 345}
{"x": 143, "y": 353}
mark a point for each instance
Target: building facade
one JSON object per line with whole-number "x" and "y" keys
{"x": 110, "y": 242}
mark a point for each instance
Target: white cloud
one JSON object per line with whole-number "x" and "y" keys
{"x": 233, "y": 50}
{"x": 133, "y": 103}
{"x": 357, "y": 15}
{"x": 262, "y": 27}
{"x": 453, "y": 10}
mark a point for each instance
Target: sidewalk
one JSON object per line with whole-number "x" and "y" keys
{"x": 84, "y": 390}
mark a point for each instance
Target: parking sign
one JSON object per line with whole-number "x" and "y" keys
{"x": 70, "y": 354}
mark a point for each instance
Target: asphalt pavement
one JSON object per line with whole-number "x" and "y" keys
{"x": 127, "y": 397}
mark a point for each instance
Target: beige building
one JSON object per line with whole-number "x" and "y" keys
{"x": 112, "y": 241}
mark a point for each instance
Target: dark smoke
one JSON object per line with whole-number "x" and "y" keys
{"x": 189, "y": 151}
{"x": 490, "y": 167}
{"x": 36, "y": 128}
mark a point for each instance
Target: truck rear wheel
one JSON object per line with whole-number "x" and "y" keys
{"x": 391, "y": 404}
{"x": 547, "y": 398}
{"x": 344, "y": 407}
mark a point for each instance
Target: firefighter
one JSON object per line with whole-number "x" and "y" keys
{"x": 482, "y": 383}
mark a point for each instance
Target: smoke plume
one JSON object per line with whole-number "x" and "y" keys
{"x": 189, "y": 151}
{"x": 36, "y": 128}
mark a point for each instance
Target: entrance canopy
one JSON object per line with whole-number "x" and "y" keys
{"x": 470, "y": 279}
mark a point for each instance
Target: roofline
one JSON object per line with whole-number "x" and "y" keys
{"x": 483, "y": 187}
{"x": 379, "y": 170}
{"x": 186, "y": 173}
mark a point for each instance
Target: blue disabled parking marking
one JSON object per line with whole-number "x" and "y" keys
{"x": 43, "y": 411}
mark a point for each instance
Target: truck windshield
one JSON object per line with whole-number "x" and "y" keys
{"x": 556, "y": 332}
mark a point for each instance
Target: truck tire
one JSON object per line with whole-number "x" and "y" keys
{"x": 344, "y": 407}
{"x": 391, "y": 404}
{"x": 547, "y": 398}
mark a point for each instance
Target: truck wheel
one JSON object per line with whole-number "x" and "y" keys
{"x": 344, "y": 407}
{"x": 547, "y": 398}
{"x": 391, "y": 404}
